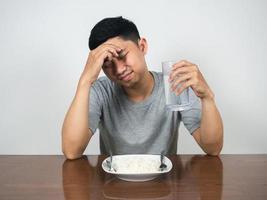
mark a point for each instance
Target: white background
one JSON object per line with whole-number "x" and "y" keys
{"x": 43, "y": 49}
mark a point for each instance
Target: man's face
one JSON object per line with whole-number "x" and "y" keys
{"x": 130, "y": 67}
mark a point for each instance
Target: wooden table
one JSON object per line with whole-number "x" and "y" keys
{"x": 192, "y": 177}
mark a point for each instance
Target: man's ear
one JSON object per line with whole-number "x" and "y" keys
{"x": 143, "y": 45}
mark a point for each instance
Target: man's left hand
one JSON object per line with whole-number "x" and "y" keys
{"x": 188, "y": 75}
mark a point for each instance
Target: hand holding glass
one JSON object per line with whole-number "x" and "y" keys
{"x": 174, "y": 102}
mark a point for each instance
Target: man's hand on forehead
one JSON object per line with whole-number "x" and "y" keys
{"x": 119, "y": 49}
{"x": 120, "y": 53}
{"x": 111, "y": 44}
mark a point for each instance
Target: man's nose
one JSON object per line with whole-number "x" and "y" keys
{"x": 120, "y": 67}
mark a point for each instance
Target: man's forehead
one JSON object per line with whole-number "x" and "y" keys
{"x": 117, "y": 41}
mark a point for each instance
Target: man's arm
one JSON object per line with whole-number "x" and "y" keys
{"x": 210, "y": 134}
{"x": 75, "y": 131}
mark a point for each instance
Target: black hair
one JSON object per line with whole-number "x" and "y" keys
{"x": 111, "y": 27}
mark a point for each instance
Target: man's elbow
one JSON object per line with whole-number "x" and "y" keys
{"x": 213, "y": 149}
{"x": 71, "y": 155}
{"x": 215, "y": 153}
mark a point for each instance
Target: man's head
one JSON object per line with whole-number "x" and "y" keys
{"x": 131, "y": 67}
{"x": 113, "y": 27}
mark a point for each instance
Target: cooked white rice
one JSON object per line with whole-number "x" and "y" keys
{"x": 135, "y": 164}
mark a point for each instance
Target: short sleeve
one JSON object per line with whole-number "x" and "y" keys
{"x": 95, "y": 107}
{"x": 191, "y": 118}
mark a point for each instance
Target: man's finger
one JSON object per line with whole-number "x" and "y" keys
{"x": 106, "y": 47}
{"x": 182, "y": 70}
{"x": 113, "y": 46}
{"x": 180, "y": 80}
{"x": 181, "y": 63}
{"x": 106, "y": 56}
{"x": 184, "y": 85}
{"x": 105, "y": 50}
{"x": 114, "y": 53}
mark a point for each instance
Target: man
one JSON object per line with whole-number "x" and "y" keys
{"x": 128, "y": 106}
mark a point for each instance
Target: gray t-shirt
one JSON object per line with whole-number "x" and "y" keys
{"x": 127, "y": 127}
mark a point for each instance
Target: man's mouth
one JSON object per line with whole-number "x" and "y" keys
{"x": 126, "y": 77}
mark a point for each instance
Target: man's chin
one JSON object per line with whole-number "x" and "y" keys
{"x": 127, "y": 84}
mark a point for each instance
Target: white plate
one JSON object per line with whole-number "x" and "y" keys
{"x": 137, "y": 177}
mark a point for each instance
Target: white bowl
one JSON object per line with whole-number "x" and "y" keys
{"x": 136, "y": 176}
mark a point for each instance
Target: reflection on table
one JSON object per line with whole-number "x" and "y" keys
{"x": 197, "y": 177}
{"x": 229, "y": 177}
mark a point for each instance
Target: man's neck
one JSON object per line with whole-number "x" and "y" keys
{"x": 141, "y": 90}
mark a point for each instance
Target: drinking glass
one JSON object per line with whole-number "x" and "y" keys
{"x": 174, "y": 102}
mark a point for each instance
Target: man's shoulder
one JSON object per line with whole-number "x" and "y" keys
{"x": 103, "y": 84}
{"x": 157, "y": 75}
{"x": 102, "y": 81}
